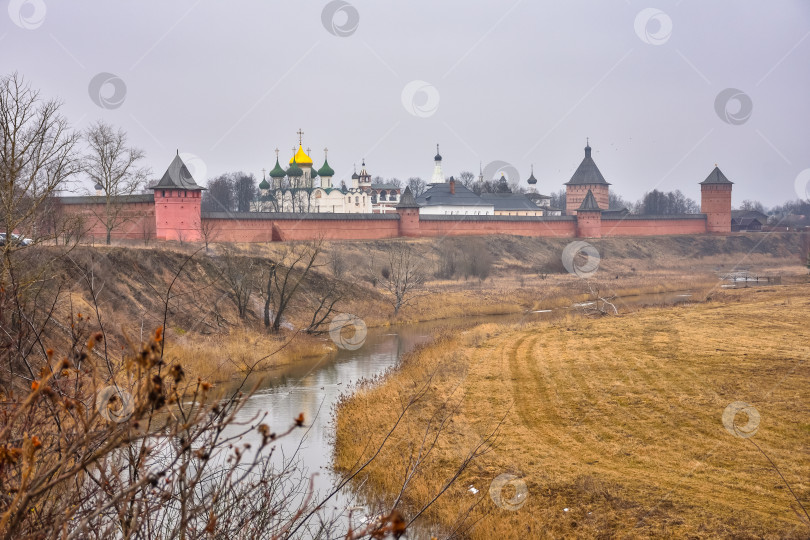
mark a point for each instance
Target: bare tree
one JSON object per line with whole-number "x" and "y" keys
{"x": 283, "y": 277}
{"x": 404, "y": 277}
{"x": 417, "y": 185}
{"x": 37, "y": 157}
{"x": 209, "y": 230}
{"x": 467, "y": 179}
{"x": 239, "y": 274}
{"x": 113, "y": 166}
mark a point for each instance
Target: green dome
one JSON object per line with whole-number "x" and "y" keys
{"x": 313, "y": 173}
{"x": 295, "y": 170}
{"x": 326, "y": 170}
{"x": 277, "y": 171}
{"x": 264, "y": 185}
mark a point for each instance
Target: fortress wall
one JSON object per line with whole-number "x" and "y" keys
{"x": 251, "y": 227}
{"x": 433, "y": 226}
{"x": 652, "y": 226}
{"x": 136, "y": 221}
{"x": 328, "y": 227}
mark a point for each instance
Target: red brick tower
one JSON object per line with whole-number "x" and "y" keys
{"x": 586, "y": 178}
{"x": 408, "y": 210}
{"x": 589, "y": 218}
{"x": 715, "y": 201}
{"x": 177, "y": 204}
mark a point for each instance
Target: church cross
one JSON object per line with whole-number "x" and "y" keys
{"x": 264, "y": 175}
{"x": 325, "y": 152}
{"x": 300, "y": 136}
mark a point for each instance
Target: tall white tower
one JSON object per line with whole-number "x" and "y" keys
{"x": 438, "y": 175}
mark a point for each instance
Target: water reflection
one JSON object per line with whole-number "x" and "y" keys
{"x": 314, "y": 387}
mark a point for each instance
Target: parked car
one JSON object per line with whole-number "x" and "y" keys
{"x": 16, "y": 240}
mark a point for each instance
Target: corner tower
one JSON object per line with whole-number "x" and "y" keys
{"x": 715, "y": 201}
{"x": 586, "y": 178}
{"x": 178, "y": 201}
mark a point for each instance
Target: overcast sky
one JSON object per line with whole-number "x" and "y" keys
{"x": 518, "y": 82}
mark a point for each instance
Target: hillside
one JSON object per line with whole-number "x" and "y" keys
{"x": 134, "y": 289}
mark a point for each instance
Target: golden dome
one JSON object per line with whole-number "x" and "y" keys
{"x": 301, "y": 158}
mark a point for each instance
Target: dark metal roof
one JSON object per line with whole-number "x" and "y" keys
{"x": 101, "y": 199}
{"x": 509, "y": 201}
{"x": 754, "y": 214}
{"x": 589, "y": 203}
{"x": 385, "y": 186}
{"x": 537, "y": 196}
{"x": 177, "y": 176}
{"x": 440, "y": 217}
{"x": 407, "y": 200}
{"x": 611, "y": 217}
{"x": 587, "y": 172}
{"x": 439, "y": 195}
{"x": 716, "y": 177}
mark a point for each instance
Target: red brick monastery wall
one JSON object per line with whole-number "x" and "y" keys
{"x": 521, "y": 226}
{"x": 632, "y": 226}
{"x": 268, "y": 227}
{"x": 136, "y": 220}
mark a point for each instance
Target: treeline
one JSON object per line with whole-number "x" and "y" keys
{"x": 230, "y": 192}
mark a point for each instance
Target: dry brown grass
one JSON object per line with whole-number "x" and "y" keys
{"x": 616, "y": 419}
{"x": 221, "y": 358}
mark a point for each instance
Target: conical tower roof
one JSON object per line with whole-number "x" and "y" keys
{"x": 717, "y": 177}
{"x": 177, "y": 176}
{"x": 589, "y": 203}
{"x": 587, "y": 172}
{"x": 407, "y": 200}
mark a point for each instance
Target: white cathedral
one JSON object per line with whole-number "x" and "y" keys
{"x": 302, "y": 188}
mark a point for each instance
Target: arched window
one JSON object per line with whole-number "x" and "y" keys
{"x": 383, "y": 195}
{"x": 162, "y": 192}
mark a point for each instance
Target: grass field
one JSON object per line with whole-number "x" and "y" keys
{"x": 614, "y": 425}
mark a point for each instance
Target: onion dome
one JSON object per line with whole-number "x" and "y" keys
{"x": 264, "y": 184}
{"x": 301, "y": 157}
{"x": 277, "y": 171}
{"x": 355, "y": 176}
{"x": 313, "y": 173}
{"x": 326, "y": 170}
{"x": 438, "y": 156}
{"x": 294, "y": 170}
{"x": 532, "y": 180}
{"x": 99, "y": 187}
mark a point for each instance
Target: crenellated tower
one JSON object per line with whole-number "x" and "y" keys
{"x": 715, "y": 201}
{"x": 178, "y": 204}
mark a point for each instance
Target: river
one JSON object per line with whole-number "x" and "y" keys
{"x": 314, "y": 387}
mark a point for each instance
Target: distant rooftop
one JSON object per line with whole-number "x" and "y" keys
{"x": 509, "y": 201}
{"x": 439, "y": 195}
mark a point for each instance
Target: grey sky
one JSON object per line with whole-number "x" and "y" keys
{"x": 523, "y": 82}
